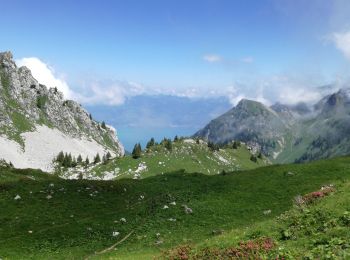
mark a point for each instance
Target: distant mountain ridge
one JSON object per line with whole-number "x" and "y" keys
{"x": 36, "y": 122}
{"x": 287, "y": 133}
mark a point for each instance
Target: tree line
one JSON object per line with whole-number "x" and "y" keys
{"x": 66, "y": 160}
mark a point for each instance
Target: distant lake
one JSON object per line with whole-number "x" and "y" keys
{"x": 131, "y": 135}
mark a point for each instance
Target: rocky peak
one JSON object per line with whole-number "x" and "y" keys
{"x": 6, "y": 60}
{"x": 334, "y": 103}
{"x": 25, "y": 104}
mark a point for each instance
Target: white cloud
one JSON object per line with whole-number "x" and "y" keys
{"x": 212, "y": 58}
{"x": 268, "y": 90}
{"x": 342, "y": 42}
{"x": 45, "y": 75}
{"x": 111, "y": 93}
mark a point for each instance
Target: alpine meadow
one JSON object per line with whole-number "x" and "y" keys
{"x": 175, "y": 130}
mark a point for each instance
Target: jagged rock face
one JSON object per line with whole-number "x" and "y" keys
{"x": 26, "y": 104}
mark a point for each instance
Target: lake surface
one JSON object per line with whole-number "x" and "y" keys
{"x": 131, "y": 135}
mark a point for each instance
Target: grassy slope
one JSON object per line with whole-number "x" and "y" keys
{"x": 190, "y": 157}
{"x": 320, "y": 230}
{"x": 291, "y": 152}
{"x": 81, "y": 215}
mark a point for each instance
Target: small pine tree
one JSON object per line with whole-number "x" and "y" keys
{"x": 79, "y": 159}
{"x": 108, "y": 155}
{"x": 136, "y": 152}
{"x": 236, "y": 144}
{"x": 253, "y": 158}
{"x": 60, "y": 158}
{"x": 176, "y": 138}
{"x": 213, "y": 147}
{"x": 150, "y": 143}
{"x": 87, "y": 161}
{"x": 74, "y": 162}
{"x": 97, "y": 158}
{"x": 103, "y": 125}
{"x": 90, "y": 116}
{"x": 168, "y": 145}
{"x": 260, "y": 155}
{"x": 70, "y": 160}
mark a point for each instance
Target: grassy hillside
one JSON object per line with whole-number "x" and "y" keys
{"x": 79, "y": 219}
{"x": 185, "y": 155}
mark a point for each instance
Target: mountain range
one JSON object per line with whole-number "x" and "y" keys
{"x": 287, "y": 133}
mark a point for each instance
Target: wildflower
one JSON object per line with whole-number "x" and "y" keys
{"x": 17, "y": 197}
{"x": 115, "y": 233}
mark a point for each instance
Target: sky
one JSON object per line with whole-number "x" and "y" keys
{"x": 102, "y": 52}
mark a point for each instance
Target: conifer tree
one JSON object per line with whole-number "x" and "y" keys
{"x": 97, "y": 159}
{"x": 253, "y": 158}
{"x": 79, "y": 159}
{"x": 136, "y": 152}
{"x": 65, "y": 162}
{"x": 168, "y": 145}
{"x": 60, "y": 158}
{"x": 103, "y": 125}
{"x": 87, "y": 161}
{"x": 74, "y": 162}
{"x": 150, "y": 143}
{"x": 108, "y": 155}
{"x": 70, "y": 160}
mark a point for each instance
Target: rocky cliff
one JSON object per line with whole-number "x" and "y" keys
{"x": 36, "y": 122}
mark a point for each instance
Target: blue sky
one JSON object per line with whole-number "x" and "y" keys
{"x": 183, "y": 47}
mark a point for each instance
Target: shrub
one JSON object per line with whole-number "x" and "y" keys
{"x": 41, "y": 101}
{"x": 253, "y": 158}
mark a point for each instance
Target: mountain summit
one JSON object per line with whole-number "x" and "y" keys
{"x": 36, "y": 122}
{"x": 251, "y": 122}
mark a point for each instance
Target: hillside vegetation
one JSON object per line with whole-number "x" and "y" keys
{"x": 194, "y": 215}
{"x": 188, "y": 155}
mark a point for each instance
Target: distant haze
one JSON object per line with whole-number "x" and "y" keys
{"x": 143, "y": 117}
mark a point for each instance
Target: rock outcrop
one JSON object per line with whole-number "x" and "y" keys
{"x": 29, "y": 110}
